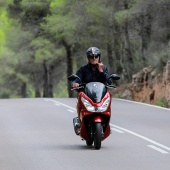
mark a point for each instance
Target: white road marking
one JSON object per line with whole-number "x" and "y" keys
{"x": 71, "y": 110}
{"x": 142, "y": 137}
{"x": 117, "y": 130}
{"x": 146, "y": 104}
{"x": 158, "y": 149}
{"x": 57, "y": 104}
{"x": 60, "y": 104}
{"x": 120, "y": 128}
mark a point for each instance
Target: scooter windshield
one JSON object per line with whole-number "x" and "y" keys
{"x": 95, "y": 91}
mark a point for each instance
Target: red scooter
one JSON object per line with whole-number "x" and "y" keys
{"x": 95, "y": 101}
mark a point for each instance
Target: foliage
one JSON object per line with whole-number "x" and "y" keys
{"x": 42, "y": 42}
{"x": 4, "y": 24}
{"x": 61, "y": 90}
{"x": 162, "y": 102}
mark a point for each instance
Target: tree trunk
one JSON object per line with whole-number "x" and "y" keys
{"x": 69, "y": 66}
{"x": 128, "y": 53}
{"x": 117, "y": 41}
{"x": 117, "y": 49}
{"x": 143, "y": 36}
{"x": 37, "y": 93}
{"x": 146, "y": 20}
{"x": 50, "y": 82}
{"x": 45, "y": 92}
{"x": 24, "y": 90}
{"x": 37, "y": 83}
{"x": 110, "y": 58}
{"x": 48, "y": 85}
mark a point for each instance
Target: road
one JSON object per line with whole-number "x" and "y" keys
{"x": 37, "y": 134}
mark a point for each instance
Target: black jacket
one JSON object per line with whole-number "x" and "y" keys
{"x": 87, "y": 75}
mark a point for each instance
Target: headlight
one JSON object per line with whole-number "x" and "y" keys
{"x": 87, "y": 105}
{"x": 91, "y": 108}
{"x": 105, "y": 105}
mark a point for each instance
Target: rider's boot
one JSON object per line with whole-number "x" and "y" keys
{"x": 76, "y": 125}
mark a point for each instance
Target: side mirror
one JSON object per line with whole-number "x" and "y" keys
{"x": 73, "y": 77}
{"x": 114, "y": 77}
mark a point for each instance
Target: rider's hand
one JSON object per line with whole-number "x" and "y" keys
{"x": 100, "y": 67}
{"x": 75, "y": 85}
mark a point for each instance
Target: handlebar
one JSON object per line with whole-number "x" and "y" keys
{"x": 110, "y": 86}
{"x": 80, "y": 87}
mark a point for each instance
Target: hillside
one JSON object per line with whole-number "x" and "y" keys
{"x": 148, "y": 86}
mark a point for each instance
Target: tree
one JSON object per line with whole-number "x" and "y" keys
{"x": 62, "y": 27}
{"x": 122, "y": 38}
{"x": 40, "y": 39}
{"x": 30, "y": 15}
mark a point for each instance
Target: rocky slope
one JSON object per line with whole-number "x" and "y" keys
{"x": 150, "y": 87}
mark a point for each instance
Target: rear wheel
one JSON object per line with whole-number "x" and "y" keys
{"x": 97, "y": 135}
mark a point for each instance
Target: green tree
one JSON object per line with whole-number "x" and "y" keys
{"x": 40, "y": 39}
{"x": 61, "y": 25}
{"x": 30, "y": 15}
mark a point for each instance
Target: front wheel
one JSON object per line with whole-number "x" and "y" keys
{"x": 89, "y": 142}
{"x": 97, "y": 135}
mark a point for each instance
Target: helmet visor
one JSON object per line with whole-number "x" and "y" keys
{"x": 93, "y": 56}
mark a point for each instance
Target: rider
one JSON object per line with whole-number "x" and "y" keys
{"x": 93, "y": 71}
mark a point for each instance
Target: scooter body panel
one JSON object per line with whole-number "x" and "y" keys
{"x": 87, "y": 119}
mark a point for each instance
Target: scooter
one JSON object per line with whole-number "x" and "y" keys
{"x": 95, "y": 101}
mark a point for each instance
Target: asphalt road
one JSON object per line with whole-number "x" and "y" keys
{"x": 37, "y": 134}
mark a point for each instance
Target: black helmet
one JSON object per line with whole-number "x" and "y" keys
{"x": 92, "y": 52}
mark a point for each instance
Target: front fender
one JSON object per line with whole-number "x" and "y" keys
{"x": 97, "y": 119}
